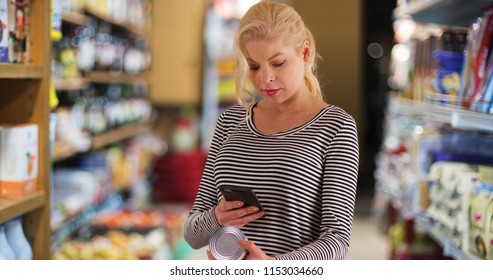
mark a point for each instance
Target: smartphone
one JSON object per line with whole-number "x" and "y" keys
{"x": 236, "y": 193}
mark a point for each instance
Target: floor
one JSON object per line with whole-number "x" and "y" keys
{"x": 368, "y": 242}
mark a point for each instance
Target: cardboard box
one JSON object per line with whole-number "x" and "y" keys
{"x": 18, "y": 160}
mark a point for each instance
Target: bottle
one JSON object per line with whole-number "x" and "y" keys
{"x": 17, "y": 239}
{"x": 6, "y": 251}
{"x": 56, "y": 20}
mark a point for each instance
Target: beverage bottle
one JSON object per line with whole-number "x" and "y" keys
{"x": 6, "y": 252}
{"x": 17, "y": 239}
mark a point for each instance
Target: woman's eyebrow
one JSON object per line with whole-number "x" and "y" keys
{"x": 271, "y": 58}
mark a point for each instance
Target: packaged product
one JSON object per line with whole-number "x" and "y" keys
{"x": 4, "y": 32}
{"x": 18, "y": 159}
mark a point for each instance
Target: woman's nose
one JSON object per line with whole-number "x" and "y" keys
{"x": 267, "y": 76}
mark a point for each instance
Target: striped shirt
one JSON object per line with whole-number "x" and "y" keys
{"x": 305, "y": 179}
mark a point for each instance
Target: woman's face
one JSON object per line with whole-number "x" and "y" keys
{"x": 276, "y": 70}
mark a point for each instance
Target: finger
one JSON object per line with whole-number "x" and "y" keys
{"x": 210, "y": 256}
{"x": 253, "y": 252}
{"x": 247, "y": 245}
{"x": 231, "y": 205}
{"x": 234, "y": 212}
{"x": 241, "y": 221}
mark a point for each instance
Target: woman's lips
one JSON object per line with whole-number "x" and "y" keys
{"x": 271, "y": 92}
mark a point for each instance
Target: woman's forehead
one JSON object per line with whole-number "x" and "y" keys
{"x": 266, "y": 49}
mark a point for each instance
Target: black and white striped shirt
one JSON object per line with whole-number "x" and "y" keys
{"x": 305, "y": 179}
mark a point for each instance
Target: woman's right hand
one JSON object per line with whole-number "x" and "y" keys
{"x": 231, "y": 213}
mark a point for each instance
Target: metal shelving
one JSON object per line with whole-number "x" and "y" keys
{"x": 457, "y": 118}
{"x": 450, "y": 248}
{"x": 446, "y": 12}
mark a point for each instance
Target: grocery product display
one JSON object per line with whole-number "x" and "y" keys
{"x": 103, "y": 146}
{"x": 125, "y": 234}
{"x": 435, "y": 163}
{"x": 24, "y": 78}
{"x": 81, "y": 85}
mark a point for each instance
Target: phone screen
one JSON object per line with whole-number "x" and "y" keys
{"x": 247, "y": 195}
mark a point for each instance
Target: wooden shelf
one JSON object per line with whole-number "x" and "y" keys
{"x": 137, "y": 31}
{"x": 112, "y": 78}
{"x": 64, "y": 155}
{"x": 75, "y": 18}
{"x": 108, "y": 138}
{"x": 11, "y": 208}
{"x": 119, "y": 134}
{"x": 75, "y": 84}
{"x": 19, "y": 71}
{"x": 447, "y": 12}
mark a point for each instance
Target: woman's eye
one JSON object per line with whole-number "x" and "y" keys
{"x": 254, "y": 68}
{"x": 279, "y": 64}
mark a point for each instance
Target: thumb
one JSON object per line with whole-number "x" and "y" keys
{"x": 209, "y": 255}
{"x": 247, "y": 245}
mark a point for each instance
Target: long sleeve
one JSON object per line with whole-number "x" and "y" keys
{"x": 201, "y": 222}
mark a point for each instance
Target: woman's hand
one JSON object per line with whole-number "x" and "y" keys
{"x": 231, "y": 213}
{"x": 253, "y": 251}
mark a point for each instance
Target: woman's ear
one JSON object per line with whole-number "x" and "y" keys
{"x": 306, "y": 52}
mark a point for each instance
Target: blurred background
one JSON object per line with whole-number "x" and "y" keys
{"x": 136, "y": 86}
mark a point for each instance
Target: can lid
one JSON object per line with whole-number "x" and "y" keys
{"x": 223, "y": 245}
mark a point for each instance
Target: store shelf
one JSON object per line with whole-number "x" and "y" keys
{"x": 19, "y": 71}
{"x": 61, "y": 156}
{"x": 137, "y": 31}
{"x": 69, "y": 225}
{"x": 111, "y": 78}
{"x": 75, "y": 18}
{"x": 457, "y": 118}
{"x": 450, "y": 249}
{"x": 108, "y": 138}
{"x": 119, "y": 134}
{"x": 11, "y": 208}
{"x": 447, "y": 12}
{"x": 74, "y": 84}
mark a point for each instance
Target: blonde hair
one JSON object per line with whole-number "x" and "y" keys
{"x": 268, "y": 20}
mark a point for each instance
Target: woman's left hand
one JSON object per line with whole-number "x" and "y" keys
{"x": 253, "y": 251}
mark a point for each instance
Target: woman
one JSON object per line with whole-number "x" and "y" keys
{"x": 298, "y": 153}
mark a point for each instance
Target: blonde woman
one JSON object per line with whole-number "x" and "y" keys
{"x": 297, "y": 152}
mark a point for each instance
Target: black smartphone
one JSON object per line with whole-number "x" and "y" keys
{"x": 236, "y": 193}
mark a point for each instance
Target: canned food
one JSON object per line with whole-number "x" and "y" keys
{"x": 223, "y": 245}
